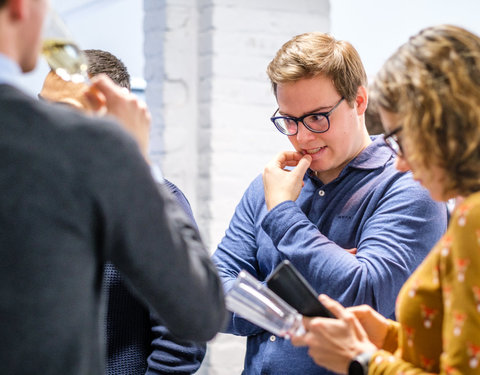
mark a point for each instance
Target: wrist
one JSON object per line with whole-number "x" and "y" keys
{"x": 359, "y": 364}
{"x": 275, "y": 201}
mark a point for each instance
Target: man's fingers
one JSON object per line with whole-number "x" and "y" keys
{"x": 104, "y": 83}
{"x": 298, "y": 340}
{"x": 95, "y": 98}
{"x": 109, "y": 89}
{"x": 286, "y": 158}
{"x": 352, "y": 251}
{"x": 302, "y": 166}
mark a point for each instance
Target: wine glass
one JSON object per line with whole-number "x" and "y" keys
{"x": 63, "y": 55}
{"x": 255, "y": 302}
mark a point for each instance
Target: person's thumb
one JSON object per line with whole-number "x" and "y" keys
{"x": 108, "y": 88}
{"x": 302, "y": 166}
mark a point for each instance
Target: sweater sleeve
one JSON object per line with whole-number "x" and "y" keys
{"x": 181, "y": 199}
{"x": 391, "y": 340}
{"x": 173, "y": 356}
{"x": 168, "y": 354}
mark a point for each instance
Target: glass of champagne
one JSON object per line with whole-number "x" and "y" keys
{"x": 63, "y": 55}
{"x": 254, "y": 301}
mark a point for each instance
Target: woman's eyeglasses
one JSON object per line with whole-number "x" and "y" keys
{"x": 392, "y": 140}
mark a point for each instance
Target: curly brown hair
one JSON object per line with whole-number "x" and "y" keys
{"x": 432, "y": 83}
{"x": 312, "y": 54}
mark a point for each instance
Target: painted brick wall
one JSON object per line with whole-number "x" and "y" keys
{"x": 210, "y": 98}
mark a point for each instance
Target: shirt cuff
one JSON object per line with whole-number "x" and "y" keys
{"x": 156, "y": 173}
{"x": 390, "y": 343}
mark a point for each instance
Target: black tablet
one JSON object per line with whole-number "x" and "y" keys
{"x": 291, "y": 286}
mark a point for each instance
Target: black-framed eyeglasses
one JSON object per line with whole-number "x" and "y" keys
{"x": 392, "y": 140}
{"x": 315, "y": 122}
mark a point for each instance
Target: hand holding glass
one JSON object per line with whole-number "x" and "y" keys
{"x": 253, "y": 301}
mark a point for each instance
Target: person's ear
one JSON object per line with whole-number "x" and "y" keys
{"x": 361, "y": 100}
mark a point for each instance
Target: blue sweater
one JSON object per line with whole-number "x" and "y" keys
{"x": 371, "y": 206}
{"x": 137, "y": 342}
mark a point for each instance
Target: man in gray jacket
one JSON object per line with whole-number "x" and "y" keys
{"x": 75, "y": 192}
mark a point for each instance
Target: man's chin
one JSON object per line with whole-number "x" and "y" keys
{"x": 29, "y": 65}
{"x": 319, "y": 166}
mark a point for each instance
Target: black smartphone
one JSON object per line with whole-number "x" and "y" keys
{"x": 291, "y": 286}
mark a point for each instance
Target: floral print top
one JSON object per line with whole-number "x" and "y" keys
{"x": 438, "y": 308}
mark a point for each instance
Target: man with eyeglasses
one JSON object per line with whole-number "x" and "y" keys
{"x": 336, "y": 207}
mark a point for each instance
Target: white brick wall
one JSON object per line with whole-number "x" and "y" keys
{"x": 211, "y": 103}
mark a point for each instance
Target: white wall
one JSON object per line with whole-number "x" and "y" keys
{"x": 208, "y": 88}
{"x": 378, "y": 27}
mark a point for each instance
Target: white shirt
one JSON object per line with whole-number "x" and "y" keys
{"x": 10, "y": 71}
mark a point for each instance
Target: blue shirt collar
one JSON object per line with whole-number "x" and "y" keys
{"x": 376, "y": 155}
{"x": 10, "y": 71}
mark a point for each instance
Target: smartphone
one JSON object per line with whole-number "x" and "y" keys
{"x": 291, "y": 286}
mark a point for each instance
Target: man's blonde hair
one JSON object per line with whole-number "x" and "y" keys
{"x": 318, "y": 54}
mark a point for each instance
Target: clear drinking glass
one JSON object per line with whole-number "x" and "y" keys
{"x": 253, "y": 301}
{"x": 61, "y": 52}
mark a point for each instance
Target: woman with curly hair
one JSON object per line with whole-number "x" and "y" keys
{"x": 428, "y": 97}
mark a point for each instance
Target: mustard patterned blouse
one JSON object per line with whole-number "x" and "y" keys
{"x": 438, "y": 308}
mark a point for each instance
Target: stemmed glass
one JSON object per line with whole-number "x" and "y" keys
{"x": 63, "y": 55}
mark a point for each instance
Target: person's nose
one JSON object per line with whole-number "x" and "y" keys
{"x": 402, "y": 164}
{"x": 304, "y": 135}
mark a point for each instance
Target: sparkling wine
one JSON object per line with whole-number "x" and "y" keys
{"x": 66, "y": 59}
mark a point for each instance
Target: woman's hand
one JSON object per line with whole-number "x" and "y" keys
{"x": 333, "y": 343}
{"x": 281, "y": 185}
{"x": 374, "y": 324}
